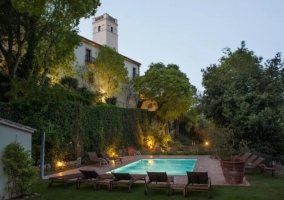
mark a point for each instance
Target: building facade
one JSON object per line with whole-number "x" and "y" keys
{"x": 105, "y": 32}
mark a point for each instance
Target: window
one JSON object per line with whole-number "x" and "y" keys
{"x": 111, "y": 29}
{"x": 99, "y": 28}
{"x": 134, "y": 72}
{"x": 88, "y": 55}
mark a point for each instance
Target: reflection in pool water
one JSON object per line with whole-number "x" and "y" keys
{"x": 171, "y": 166}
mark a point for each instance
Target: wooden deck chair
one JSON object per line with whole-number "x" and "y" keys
{"x": 186, "y": 149}
{"x": 158, "y": 150}
{"x": 109, "y": 158}
{"x": 201, "y": 150}
{"x": 245, "y": 156}
{"x": 251, "y": 159}
{"x": 173, "y": 150}
{"x": 65, "y": 178}
{"x": 93, "y": 178}
{"x": 266, "y": 170}
{"x": 198, "y": 181}
{"x": 95, "y": 159}
{"x": 158, "y": 180}
{"x": 126, "y": 180}
{"x": 254, "y": 164}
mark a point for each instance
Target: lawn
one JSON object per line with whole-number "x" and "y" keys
{"x": 261, "y": 188}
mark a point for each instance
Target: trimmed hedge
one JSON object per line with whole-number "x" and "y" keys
{"x": 72, "y": 129}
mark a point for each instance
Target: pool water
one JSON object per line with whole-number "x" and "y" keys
{"x": 171, "y": 166}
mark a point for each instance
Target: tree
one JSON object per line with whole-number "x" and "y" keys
{"x": 39, "y": 36}
{"x": 247, "y": 96}
{"x": 109, "y": 66}
{"x": 169, "y": 87}
{"x": 129, "y": 91}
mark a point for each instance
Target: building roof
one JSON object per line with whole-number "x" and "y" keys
{"x": 92, "y": 43}
{"x": 16, "y": 125}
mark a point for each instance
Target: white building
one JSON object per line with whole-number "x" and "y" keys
{"x": 105, "y": 32}
{"x": 12, "y": 132}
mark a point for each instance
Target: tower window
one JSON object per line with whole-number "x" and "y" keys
{"x": 111, "y": 29}
{"x": 99, "y": 28}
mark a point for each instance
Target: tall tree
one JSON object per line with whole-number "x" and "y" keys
{"x": 169, "y": 87}
{"x": 246, "y": 95}
{"x": 37, "y": 35}
{"x": 109, "y": 66}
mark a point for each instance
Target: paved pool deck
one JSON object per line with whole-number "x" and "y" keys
{"x": 204, "y": 163}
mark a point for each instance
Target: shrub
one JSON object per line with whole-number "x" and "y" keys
{"x": 18, "y": 166}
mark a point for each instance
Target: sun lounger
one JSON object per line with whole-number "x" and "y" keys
{"x": 245, "y": 156}
{"x": 95, "y": 159}
{"x": 158, "y": 150}
{"x": 126, "y": 180}
{"x": 93, "y": 178}
{"x": 198, "y": 181}
{"x": 254, "y": 164}
{"x": 173, "y": 150}
{"x": 251, "y": 159}
{"x": 186, "y": 149}
{"x": 158, "y": 180}
{"x": 64, "y": 178}
{"x": 109, "y": 158}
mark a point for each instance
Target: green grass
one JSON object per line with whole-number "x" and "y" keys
{"x": 261, "y": 188}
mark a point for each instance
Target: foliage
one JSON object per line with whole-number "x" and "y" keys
{"x": 70, "y": 83}
{"x": 38, "y": 37}
{"x": 29, "y": 91}
{"x": 227, "y": 143}
{"x": 111, "y": 100}
{"x": 109, "y": 65}
{"x": 169, "y": 87}
{"x": 18, "y": 167}
{"x": 243, "y": 93}
{"x": 73, "y": 129}
{"x": 129, "y": 90}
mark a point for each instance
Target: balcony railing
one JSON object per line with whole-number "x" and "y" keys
{"x": 134, "y": 75}
{"x": 89, "y": 59}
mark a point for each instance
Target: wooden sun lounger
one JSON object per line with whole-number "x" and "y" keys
{"x": 93, "y": 178}
{"x": 126, "y": 180}
{"x": 159, "y": 180}
{"x": 198, "y": 181}
{"x": 65, "y": 178}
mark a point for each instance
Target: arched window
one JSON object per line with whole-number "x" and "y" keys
{"x": 111, "y": 29}
{"x": 99, "y": 28}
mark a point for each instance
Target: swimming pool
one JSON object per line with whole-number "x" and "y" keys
{"x": 171, "y": 166}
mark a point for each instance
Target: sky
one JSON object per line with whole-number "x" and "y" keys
{"x": 192, "y": 33}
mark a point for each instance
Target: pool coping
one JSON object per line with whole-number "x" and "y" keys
{"x": 203, "y": 163}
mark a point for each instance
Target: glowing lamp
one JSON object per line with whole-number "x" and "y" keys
{"x": 59, "y": 164}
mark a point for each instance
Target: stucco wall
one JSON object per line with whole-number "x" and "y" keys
{"x": 8, "y": 135}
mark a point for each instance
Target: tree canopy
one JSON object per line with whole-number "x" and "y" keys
{"x": 39, "y": 36}
{"x": 109, "y": 65}
{"x": 169, "y": 87}
{"x": 246, "y": 95}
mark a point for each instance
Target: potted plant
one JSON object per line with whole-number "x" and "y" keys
{"x": 229, "y": 147}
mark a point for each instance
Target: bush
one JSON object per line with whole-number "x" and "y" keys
{"x": 18, "y": 166}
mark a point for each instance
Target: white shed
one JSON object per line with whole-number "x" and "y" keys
{"x": 12, "y": 132}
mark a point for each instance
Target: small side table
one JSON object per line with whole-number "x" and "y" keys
{"x": 266, "y": 170}
{"x": 177, "y": 187}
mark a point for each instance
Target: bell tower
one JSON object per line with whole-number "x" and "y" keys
{"x": 105, "y": 31}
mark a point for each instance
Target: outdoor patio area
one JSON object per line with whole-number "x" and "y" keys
{"x": 204, "y": 163}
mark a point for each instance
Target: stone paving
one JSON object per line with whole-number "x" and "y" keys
{"x": 204, "y": 163}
